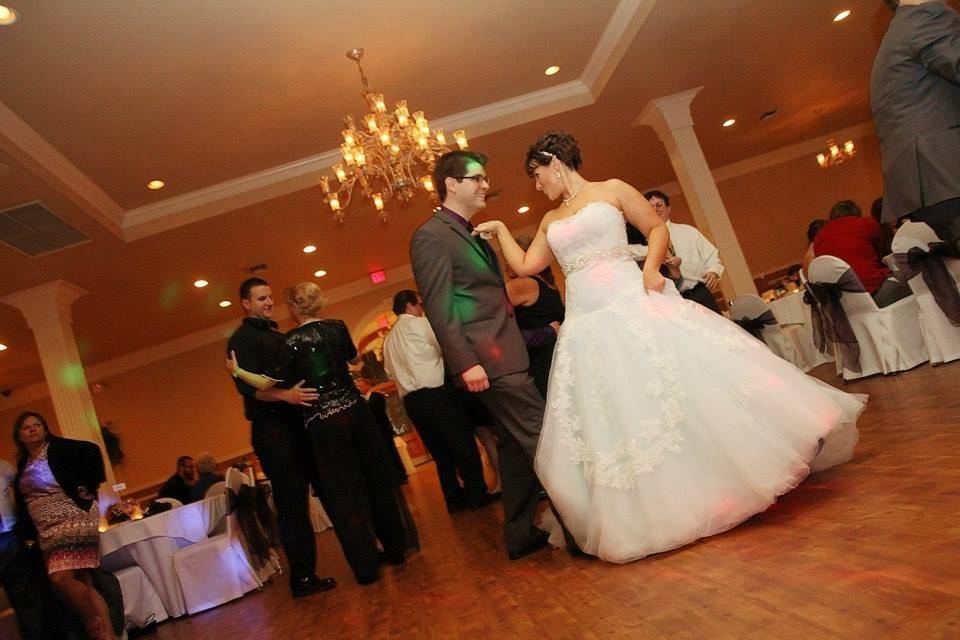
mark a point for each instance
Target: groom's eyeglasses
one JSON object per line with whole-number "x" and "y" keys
{"x": 477, "y": 179}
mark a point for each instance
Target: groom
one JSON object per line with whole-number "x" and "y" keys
{"x": 466, "y": 304}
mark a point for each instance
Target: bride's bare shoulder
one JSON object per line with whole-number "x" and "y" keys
{"x": 548, "y": 217}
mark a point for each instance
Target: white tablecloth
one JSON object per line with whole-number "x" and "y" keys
{"x": 151, "y": 542}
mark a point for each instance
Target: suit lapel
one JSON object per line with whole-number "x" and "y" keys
{"x": 482, "y": 247}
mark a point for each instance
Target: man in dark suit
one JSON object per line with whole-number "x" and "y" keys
{"x": 915, "y": 97}
{"x": 466, "y": 303}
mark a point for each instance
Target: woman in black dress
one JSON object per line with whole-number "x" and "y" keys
{"x": 539, "y": 310}
{"x": 358, "y": 484}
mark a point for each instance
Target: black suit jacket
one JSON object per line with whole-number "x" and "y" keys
{"x": 465, "y": 299}
{"x": 77, "y": 466}
{"x": 915, "y": 97}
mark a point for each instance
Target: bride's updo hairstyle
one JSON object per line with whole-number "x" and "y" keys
{"x": 306, "y": 298}
{"x": 553, "y": 144}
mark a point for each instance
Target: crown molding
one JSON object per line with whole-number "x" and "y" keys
{"x": 623, "y": 27}
{"x": 30, "y": 149}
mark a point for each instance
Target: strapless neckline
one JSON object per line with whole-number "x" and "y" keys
{"x": 581, "y": 210}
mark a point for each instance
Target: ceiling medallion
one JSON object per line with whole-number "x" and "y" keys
{"x": 391, "y": 157}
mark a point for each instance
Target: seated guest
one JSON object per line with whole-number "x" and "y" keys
{"x": 207, "y": 475}
{"x": 856, "y": 240}
{"x": 812, "y": 231}
{"x": 180, "y": 485}
{"x": 57, "y": 483}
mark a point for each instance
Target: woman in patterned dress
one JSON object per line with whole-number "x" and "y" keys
{"x": 57, "y": 482}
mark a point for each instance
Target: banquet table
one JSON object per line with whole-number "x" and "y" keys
{"x": 151, "y": 542}
{"x": 791, "y": 309}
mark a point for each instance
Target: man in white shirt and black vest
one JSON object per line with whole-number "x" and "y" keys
{"x": 698, "y": 259}
{"x": 413, "y": 360}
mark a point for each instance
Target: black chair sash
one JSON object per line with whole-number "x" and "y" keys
{"x": 935, "y": 274}
{"x": 830, "y": 322}
{"x": 256, "y": 536}
{"x": 755, "y": 326}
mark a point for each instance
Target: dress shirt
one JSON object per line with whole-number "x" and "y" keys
{"x": 259, "y": 347}
{"x": 697, "y": 254}
{"x": 8, "y": 502}
{"x": 411, "y": 355}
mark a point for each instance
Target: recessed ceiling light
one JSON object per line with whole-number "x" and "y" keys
{"x": 843, "y": 15}
{"x": 319, "y": 273}
{"x": 224, "y": 304}
{"x": 7, "y": 16}
{"x": 3, "y": 347}
{"x": 199, "y": 284}
{"x": 154, "y": 185}
{"x": 551, "y": 70}
{"x": 309, "y": 248}
{"x": 730, "y": 122}
{"x": 523, "y": 209}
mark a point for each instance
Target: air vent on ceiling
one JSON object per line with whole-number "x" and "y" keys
{"x": 34, "y": 230}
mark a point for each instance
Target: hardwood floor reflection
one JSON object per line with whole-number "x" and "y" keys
{"x": 867, "y": 550}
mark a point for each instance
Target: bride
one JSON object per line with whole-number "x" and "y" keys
{"x": 665, "y": 422}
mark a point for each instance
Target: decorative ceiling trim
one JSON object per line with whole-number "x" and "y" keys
{"x": 30, "y": 149}
{"x": 623, "y": 27}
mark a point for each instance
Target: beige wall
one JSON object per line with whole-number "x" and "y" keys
{"x": 186, "y": 403}
{"x": 771, "y": 208}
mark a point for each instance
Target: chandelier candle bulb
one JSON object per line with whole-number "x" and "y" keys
{"x": 385, "y": 138}
{"x": 461, "y": 139}
{"x": 349, "y": 137}
{"x": 441, "y": 139}
{"x": 340, "y": 173}
{"x": 371, "y": 122}
{"x": 427, "y": 183}
{"x": 334, "y": 202}
{"x": 378, "y": 201}
{"x": 325, "y": 184}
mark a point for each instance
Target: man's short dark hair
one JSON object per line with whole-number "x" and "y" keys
{"x": 893, "y": 4}
{"x": 182, "y": 460}
{"x": 814, "y": 228}
{"x": 402, "y": 298}
{"x": 876, "y": 209}
{"x": 454, "y": 165}
{"x": 655, "y": 193}
{"x": 845, "y": 208}
{"x": 249, "y": 284}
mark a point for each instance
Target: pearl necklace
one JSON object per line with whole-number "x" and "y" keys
{"x": 566, "y": 201}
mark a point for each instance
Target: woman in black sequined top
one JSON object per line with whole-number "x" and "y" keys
{"x": 357, "y": 483}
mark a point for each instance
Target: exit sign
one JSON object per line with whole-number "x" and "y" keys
{"x": 376, "y": 277}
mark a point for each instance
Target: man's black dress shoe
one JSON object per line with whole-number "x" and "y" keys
{"x": 311, "y": 584}
{"x": 484, "y": 500}
{"x": 535, "y": 545}
{"x": 392, "y": 558}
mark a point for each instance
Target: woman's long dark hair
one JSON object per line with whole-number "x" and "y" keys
{"x": 22, "y": 452}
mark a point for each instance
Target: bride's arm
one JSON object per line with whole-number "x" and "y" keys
{"x": 537, "y": 258}
{"x": 640, "y": 214}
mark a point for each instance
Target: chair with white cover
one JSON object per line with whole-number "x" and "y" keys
{"x": 888, "y": 339}
{"x": 755, "y": 316}
{"x": 216, "y": 570}
{"x": 215, "y": 489}
{"x": 933, "y": 280}
{"x": 141, "y": 602}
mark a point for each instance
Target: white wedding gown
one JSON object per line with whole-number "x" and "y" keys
{"x": 666, "y": 422}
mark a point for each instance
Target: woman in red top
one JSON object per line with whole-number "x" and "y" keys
{"x": 856, "y": 240}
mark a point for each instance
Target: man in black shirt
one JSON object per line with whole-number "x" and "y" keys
{"x": 277, "y": 434}
{"x": 180, "y": 485}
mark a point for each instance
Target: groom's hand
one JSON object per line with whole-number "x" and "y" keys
{"x": 475, "y": 379}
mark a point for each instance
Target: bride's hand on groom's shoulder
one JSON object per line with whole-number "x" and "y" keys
{"x": 489, "y": 229}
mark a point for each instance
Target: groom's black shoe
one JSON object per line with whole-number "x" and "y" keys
{"x": 534, "y": 545}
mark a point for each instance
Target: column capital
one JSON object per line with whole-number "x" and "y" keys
{"x": 49, "y": 302}
{"x": 668, "y": 113}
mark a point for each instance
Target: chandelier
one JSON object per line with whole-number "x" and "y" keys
{"x": 836, "y": 154}
{"x": 390, "y": 157}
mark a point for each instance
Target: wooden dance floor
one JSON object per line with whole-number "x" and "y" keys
{"x": 868, "y": 550}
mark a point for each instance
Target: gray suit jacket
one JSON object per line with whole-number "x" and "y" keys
{"x": 915, "y": 97}
{"x": 465, "y": 299}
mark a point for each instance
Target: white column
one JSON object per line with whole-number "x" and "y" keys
{"x": 670, "y": 118}
{"x": 47, "y": 310}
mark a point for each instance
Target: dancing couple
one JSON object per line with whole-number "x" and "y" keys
{"x": 663, "y": 422}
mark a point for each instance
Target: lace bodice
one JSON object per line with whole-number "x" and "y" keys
{"x": 593, "y": 234}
